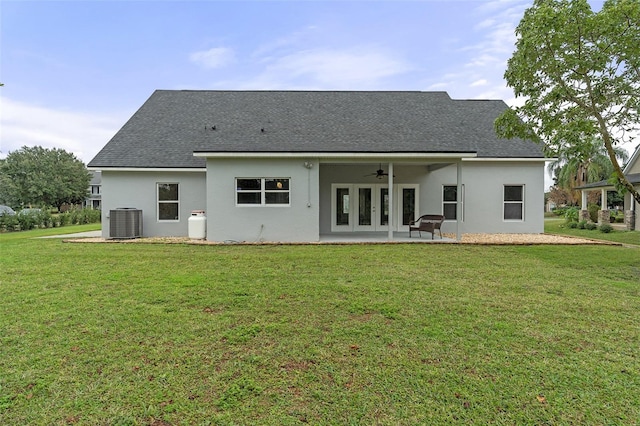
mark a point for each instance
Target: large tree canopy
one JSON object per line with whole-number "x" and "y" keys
{"x": 578, "y": 72}
{"x": 43, "y": 177}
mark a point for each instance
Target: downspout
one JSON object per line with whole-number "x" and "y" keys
{"x": 390, "y": 192}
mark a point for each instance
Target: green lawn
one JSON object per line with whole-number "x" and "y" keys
{"x": 151, "y": 334}
{"x": 559, "y": 226}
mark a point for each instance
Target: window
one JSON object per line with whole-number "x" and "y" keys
{"x": 168, "y": 202}
{"x": 262, "y": 191}
{"x": 514, "y": 202}
{"x": 449, "y": 202}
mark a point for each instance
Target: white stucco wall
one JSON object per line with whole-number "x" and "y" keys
{"x": 139, "y": 190}
{"x": 228, "y": 222}
{"x": 309, "y": 213}
{"x": 484, "y": 191}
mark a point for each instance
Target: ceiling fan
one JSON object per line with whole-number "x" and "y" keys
{"x": 380, "y": 173}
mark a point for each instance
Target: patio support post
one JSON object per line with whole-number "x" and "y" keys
{"x": 390, "y": 192}
{"x": 603, "y": 214}
{"x": 584, "y": 212}
{"x": 630, "y": 215}
{"x": 459, "y": 198}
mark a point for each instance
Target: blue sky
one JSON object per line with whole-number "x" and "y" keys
{"x": 75, "y": 71}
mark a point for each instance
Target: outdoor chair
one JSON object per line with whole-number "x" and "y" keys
{"x": 427, "y": 223}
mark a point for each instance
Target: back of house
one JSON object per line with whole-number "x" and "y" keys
{"x": 296, "y": 166}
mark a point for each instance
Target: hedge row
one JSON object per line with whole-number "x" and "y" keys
{"x": 44, "y": 219}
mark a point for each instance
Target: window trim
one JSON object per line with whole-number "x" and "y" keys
{"x": 158, "y": 201}
{"x": 455, "y": 203}
{"x": 263, "y": 191}
{"x": 520, "y": 202}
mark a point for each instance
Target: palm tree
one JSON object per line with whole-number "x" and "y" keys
{"x": 585, "y": 164}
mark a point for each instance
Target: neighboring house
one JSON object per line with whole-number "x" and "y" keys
{"x": 296, "y": 165}
{"x": 94, "y": 198}
{"x": 631, "y": 206}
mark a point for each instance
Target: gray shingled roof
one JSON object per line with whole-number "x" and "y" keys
{"x": 633, "y": 178}
{"x": 172, "y": 125}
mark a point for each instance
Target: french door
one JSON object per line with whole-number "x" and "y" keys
{"x": 365, "y": 207}
{"x": 371, "y": 207}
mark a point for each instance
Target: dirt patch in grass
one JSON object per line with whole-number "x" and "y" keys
{"x": 526, "y": 239}
{"x": 488, "y": 239}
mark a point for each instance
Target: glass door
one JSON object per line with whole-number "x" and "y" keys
{"x": 365, "y": 207}
{"x": 408, "y": 205}
{"x": 341, "y": 208}
{"x": 371, "y": 207}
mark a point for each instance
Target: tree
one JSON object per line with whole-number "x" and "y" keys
{"x": 589, "y": 164}
{"x": 43, "y": 177}
{"x": 559, "y": 196}
{"x": 579, "y": 74}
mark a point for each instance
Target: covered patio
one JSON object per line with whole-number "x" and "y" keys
{"x": 382, "y": 237}
{"x": 630, "y": 205}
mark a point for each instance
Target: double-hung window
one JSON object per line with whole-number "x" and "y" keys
{"x": 513, "y": 202}
{"x": 168, "y": 202}
{"x": 262, "y": 191}
{"x": 449, "y": 202}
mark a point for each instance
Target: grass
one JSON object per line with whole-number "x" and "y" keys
{"x": 150, "y": 334}
{"x": 36, "y": 233}
{"x": 559, "y": 226}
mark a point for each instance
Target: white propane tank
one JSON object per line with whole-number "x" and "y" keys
{"x": 197, "y": 225}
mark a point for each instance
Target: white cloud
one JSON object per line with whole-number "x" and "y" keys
{"x": 297, "y": 38}
{"x": 482, "y": 62}
{"x": 478, "y": 83}
{"x": 357, "y": 68}
{"x": 82, "y": 134}
{"x": 216, "y": 57}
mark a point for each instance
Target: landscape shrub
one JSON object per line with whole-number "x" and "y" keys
{"x": 591, "y": 226}
{"x": 36, "y": 219}
{"x": 572, "y": 225}
{"x": 582, "y": 224}
{"x": 559, "y": 211}
{"x": 64, "y": 219}
{"x": 606, "y": 228}
{"x": 44, "y": 219}
{"x": 8, "y": 223}
{"x": 572, "y": 214}
{"x": 593, "y": 212}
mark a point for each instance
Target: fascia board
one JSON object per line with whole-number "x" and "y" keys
{"x": 146, "y": 169}
{"x": 510, "y": 160}
{"x": 335, "y": 155}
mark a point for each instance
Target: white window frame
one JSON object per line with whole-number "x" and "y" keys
{"x": 505, "y": 202}
{"x": 455, "y": 203}
{"x": 263, "y": 192}
{"x": 158, "y": 201}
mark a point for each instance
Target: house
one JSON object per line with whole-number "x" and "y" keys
{"x": 293, "y": 166}
{"x": 94, "y": 197}
{"x": 631, "y": 206}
